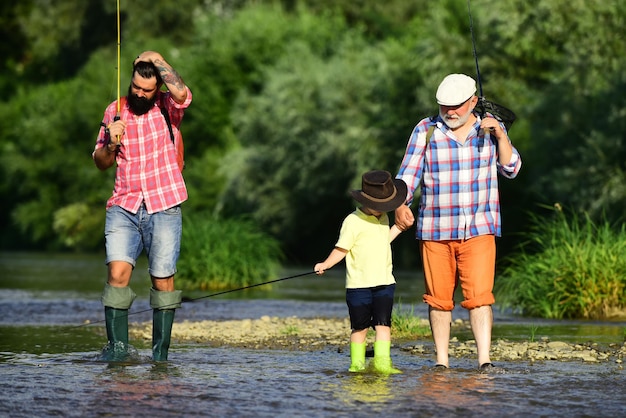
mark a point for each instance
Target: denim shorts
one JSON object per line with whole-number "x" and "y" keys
{"x": 127, "y": 235}
{"x": 370, "y": 306}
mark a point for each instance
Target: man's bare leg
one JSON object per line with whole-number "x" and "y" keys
{"x": 440, "y": 323}
{"x": 481, "y": 320}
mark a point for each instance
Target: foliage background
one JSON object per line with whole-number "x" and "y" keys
{"x": 293, "y": 100}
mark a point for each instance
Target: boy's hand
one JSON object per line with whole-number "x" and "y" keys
{"x": 319, "y": 269}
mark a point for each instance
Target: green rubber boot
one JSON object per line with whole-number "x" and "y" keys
{"x": 382, "y": 358}
{"x": 164, "y": 306}
{"x": 116, "y": 301}
{"x": 116, "y": 325}
{"x": 357, "y": 357}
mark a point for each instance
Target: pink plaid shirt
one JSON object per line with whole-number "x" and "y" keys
{"x": 459, "y": 196}
{"x": 147, "y": 169}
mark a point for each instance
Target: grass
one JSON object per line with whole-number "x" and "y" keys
{"x": 225, "y": 253}
{"x": 405, "y": 325}
{"x": 567, "y": 268}
{"x": 533, "y": 332}
{"x": 290, "y": 330}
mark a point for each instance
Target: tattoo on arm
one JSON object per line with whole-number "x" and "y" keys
{"x": 169, "y": 75}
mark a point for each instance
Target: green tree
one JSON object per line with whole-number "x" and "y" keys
{"x": 324, "y": 90}
{"x": 578, "y": 141}
{"x": 309, "y": 136}
{"x": 48, "y": 135}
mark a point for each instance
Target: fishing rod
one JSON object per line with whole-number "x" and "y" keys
{"x": 119, "y": 61}
{"x": 209, "y": 296}
{"x": 500, "y": 112}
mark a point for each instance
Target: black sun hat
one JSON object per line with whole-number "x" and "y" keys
{"x": 380, "y": 192}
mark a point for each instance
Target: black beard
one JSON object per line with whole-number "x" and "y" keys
{"x": 140, "y": 105}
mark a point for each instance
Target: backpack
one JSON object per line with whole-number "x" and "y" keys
{"x": 176, "y": 140}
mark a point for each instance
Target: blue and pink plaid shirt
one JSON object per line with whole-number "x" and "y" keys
{"x": 147, "y": 169}
{"x": 459, "y": 182}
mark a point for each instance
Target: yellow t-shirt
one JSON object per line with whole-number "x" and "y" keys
{"x": 366, "y": 239}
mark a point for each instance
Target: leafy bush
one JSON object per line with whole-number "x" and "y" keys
{"x": 567, "y": 268}
{"x": 79, "y": 226}
{"x": 225, "y": 253}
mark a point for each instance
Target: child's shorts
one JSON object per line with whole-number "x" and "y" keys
{"x": 370, "y": 306}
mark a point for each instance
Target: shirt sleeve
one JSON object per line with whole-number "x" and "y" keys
{"x": 413, "y": 161}
{"x": 346, "y": 235}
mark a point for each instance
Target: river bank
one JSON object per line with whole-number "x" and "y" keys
{"x": 313, "y": 334}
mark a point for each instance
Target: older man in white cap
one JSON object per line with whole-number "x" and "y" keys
{"x": 454, "y": 159}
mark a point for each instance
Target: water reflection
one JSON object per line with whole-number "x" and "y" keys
{"x": 365, "y": 388}
{"x": 127, "y": 388}
{"x": 226, "y": 382}
{"x": 455, "y": 390}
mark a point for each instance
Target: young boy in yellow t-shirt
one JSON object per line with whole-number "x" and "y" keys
{"x": 364, "y": 241}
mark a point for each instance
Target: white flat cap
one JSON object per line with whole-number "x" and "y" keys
{"x": 455, "y": 89}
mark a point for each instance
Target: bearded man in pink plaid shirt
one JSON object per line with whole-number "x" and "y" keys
{"x": 454, "y": 159}
{"x": 144, "y": 211}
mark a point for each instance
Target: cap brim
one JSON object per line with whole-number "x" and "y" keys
{"x": 447, "y": 103}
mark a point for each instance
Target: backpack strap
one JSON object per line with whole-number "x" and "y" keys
{"x": 166, "y": 115}
{"x": 431, "y": 130}
{"x": 429, "y": 134}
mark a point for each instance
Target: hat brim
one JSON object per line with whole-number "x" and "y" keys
{"x": 387, "y": 206}
{"x": 449, "y": 103}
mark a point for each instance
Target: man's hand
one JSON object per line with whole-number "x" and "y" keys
{"x": 149, "y": 56}
{"x": 404, "y": 217}
{"x": 116, "y": 130}
{"x": 505, "y": 150}
{"x": 491, "y": 124}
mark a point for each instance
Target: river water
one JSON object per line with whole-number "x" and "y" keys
{"x": 49, "y": 361}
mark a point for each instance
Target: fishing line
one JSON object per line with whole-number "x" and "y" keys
{"x": 207, "y": 296}
{"x": 501, "y": 113}
{"x": 250, "y": 286}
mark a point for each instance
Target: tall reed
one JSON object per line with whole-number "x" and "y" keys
{"x": 567, "y": 268}
{"x": 225, "y": 253}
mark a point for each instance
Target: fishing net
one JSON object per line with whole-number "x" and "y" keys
{"x": 501, "y": 113}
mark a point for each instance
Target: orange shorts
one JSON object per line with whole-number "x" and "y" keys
{"x": 470, "y": 263}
